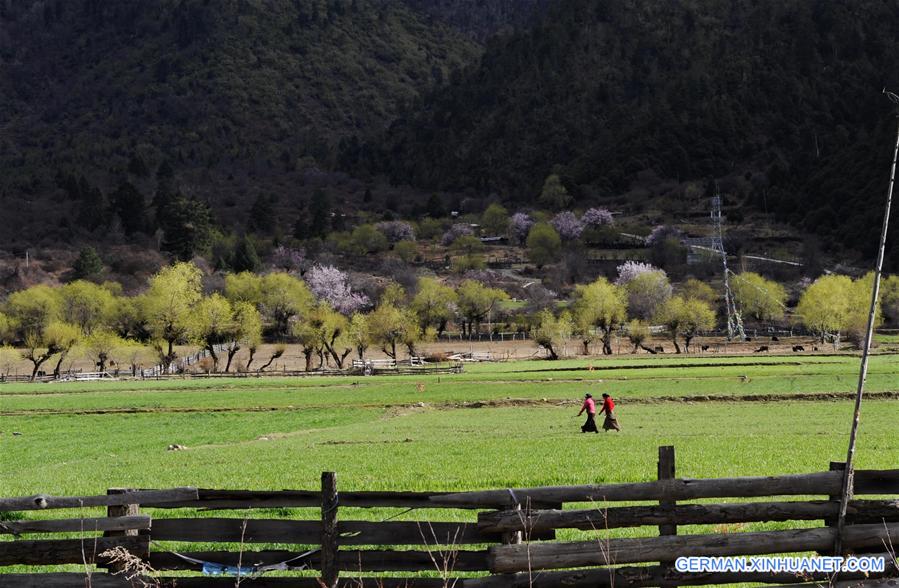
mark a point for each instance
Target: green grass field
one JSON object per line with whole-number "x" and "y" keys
{"x": 494, "y": 426}
{"x": 411, "y": 432}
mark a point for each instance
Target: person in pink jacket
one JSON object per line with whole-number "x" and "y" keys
{"x": 590, "y": 407}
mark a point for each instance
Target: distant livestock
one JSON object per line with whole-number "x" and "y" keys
{"x": 659, "y": 349}
{"x": 762, "y": 349}
{"x": 705, "y": 347}
{"x": 774, "y": 338}
{"x": 797, "y": 348}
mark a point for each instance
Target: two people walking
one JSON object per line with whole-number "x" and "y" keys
{"x": 608, "y": 406}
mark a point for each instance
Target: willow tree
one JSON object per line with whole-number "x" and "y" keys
{"x": 168, "y": 307}
{"x": 600, "y": 305}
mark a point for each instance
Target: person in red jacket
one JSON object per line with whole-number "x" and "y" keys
{"x": 590, "y": 407}
{"x": 608, "y": 405}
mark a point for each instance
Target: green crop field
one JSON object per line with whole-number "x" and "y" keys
{"x": 494, "y": 426}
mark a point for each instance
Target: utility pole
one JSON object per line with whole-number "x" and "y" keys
{"x": 848, "y": 473}
{"x": 734, "y": 321}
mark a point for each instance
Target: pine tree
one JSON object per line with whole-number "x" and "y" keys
{"x": 88, "y": 265}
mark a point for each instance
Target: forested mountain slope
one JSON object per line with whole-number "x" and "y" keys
{"x": 235, "y": 94}
{"x": 785, "y": 95}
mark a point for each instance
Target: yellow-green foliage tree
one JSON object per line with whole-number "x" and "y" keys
{"x": 699, "y": 290}
{"x": 824, "y": 308}
{"x": 467, "y": 253}
{"x": 390, "y": 326}
{"x": 638, "y": 333}
{"x": 475, "y": 303}
{"x": 495, "y": 220}
{"x": 544, "y": 244}
{"x": 686, "y": 318}
{"x": 168, "y": 307}
{"x": 762, "y": 299}
{"x": 247, "y": 332}
{"x": 553, "y": 333}
{"x": 212, "y": 325}
{"x": 434, "y": 304}
{"x": 889, "y": 298}
{"x": 87, "y": 304}
{"x": 600, "y": 305}
{"x": 103, "y": 346}
{"x": 32, "y": 309}
{"x": 359, "y": 334}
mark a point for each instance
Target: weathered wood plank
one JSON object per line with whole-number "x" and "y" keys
{"x": 860, "y": 511}
{"x": 243, "y": 499}
{"x": 67, "y": 551}
{"x": 876, "y": 482}
{"x": 329, "y": 533}
{"x": 84, "y": 525}
{"x": 42, "y": 501}
{"x": 822, "y": 483}
{"x": 232, "y": 530}
{"x": 518, "y": 558}
{"x": 349, "y": 560}
{"x": 309, "y": 532}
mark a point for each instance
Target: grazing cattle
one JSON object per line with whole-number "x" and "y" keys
{"x": 798, "y": 348}
{"x": 774, "y": 338}
{"x": 816, "y": 348}
{"x": 705, "y": 347}
{"x": 659, "y": 349}
{"x": 748, "y": 339}
{"x": 762, "y": 349}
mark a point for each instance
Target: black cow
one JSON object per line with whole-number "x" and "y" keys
{"x": 762, "y": 349}
{"x": 798, "y": 348}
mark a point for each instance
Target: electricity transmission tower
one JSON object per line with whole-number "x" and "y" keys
{"x": 734, "y": 320}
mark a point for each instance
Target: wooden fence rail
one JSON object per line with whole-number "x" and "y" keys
{"x": 511, "y": 538}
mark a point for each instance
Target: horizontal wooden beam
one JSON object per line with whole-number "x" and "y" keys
{"x": 545, "y": 556}
{"x": 859, "y": 511}
{"x": 233, "y": 530}
{"x": 68, "y": 551}
{"x": 76, "y": 525}
{"x": 243, "y": 499}
{"x": 816, "y": 484}
{"x": 42, "y": 501}
{"x": 350, "y": 560}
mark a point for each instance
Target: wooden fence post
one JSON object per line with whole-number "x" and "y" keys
{"x": 329, "y": 534}
{"x": 125, "y": 510}
{"x": 666, "y": 471}
{"x": 835, "y": 466}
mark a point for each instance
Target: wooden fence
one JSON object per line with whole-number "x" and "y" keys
{"x": 508, "y": 539}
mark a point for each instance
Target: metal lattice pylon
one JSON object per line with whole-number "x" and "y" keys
{"x": 734, "y": 320}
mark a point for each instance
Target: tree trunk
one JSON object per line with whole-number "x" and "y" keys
{"x": 232, "y": 351}
{"x": 441, "y": 327}
{"x": 676, "y": 346}
{"x": 687, "y": 339}
{"x": 307, "y": 354}
{"x": 586, "y": 347}
{"x": 102, "y": 357}
{"x": 360, "y": 349}
{"x": 607, "y": 342}
{"x": 250, "y": 359}
{"x": 552, "y": 352}
{"x": 214, "y": 356}
{"x": 647, "y": 349}
{"x": 56, "y": 369}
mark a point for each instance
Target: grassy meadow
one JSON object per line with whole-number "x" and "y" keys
{"x": 494, "y": 426}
